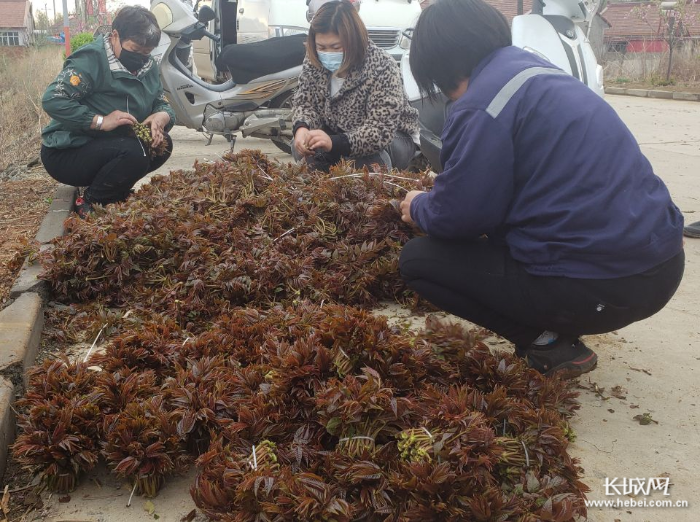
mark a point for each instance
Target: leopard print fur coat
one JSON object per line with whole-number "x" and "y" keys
{"x": 369, "y": 109}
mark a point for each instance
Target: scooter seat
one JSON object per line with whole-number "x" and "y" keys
{"x": 253, "y": 60}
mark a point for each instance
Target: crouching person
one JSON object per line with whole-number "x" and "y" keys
{"x": 105, "y": 88}
{"x": 548, "y": 222}
{"x": 350, "y": 103}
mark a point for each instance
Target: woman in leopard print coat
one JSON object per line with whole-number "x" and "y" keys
{"x": 350, "y": 103}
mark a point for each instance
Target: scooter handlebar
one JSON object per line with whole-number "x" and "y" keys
{"x": 197, "y": 32}
{"x": 214, "y": 37}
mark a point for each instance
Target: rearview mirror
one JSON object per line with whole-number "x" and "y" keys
{"x": 206, "y": 14}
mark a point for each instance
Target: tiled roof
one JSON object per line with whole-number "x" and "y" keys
{"x": 626, "y": 24}
{"x": 12, "y": 13}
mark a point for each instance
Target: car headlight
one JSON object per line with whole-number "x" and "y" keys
{"x": 405, "y": 40}
{"x": 276, "y": 30}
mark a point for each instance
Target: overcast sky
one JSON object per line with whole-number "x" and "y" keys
{"x": 111, "y": 5}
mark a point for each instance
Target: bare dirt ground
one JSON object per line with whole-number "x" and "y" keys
{"x": 26, "y": 196}
{"x": 648, "y": 367}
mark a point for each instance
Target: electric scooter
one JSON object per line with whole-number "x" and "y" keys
{"x": 256, "y": 100}
{"x": 550, "y": 31}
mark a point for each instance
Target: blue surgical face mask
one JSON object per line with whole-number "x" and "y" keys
{"x": 331, "y": 61}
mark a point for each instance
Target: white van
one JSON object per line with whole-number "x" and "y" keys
{"x": 245, "y": 21}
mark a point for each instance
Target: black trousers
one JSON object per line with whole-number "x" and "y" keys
{"x": 108, "y": 166}
{"x": 397, "y": 155}
{"x": 480, "y": 282}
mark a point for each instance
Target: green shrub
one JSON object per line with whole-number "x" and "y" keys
{"x": 80, "y": 40}
{"x": 658, "y": 81}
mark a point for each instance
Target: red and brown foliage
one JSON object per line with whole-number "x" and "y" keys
{"x": 243, "y": 352}
{"x": 238, "y": 232}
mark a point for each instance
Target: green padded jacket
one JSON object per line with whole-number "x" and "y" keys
{"x": 93, "y": 81}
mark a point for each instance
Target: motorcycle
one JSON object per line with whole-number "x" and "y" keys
{"x": 256, "y": 100}
{"x": 550, "y": 31}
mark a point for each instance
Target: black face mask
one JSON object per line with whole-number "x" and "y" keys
{"x": 133, "y": 61}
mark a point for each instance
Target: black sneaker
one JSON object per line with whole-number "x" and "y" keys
{"x": 692, "y": 230}
{"x": 563, "y": 357}
{"x": 82, "y": 207}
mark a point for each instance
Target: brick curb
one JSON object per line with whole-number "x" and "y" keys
{"x": 7, "y": 420}
{"x": 22, "y": 321}
{"x": 654, "y": 93}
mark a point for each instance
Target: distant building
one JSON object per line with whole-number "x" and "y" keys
{"x": 16, "y": 23}
{"x": 629, "y": 33}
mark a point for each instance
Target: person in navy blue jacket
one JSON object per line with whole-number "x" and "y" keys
{"x": 547, "y": 222}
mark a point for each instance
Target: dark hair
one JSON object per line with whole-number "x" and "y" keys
{"x": 340, "y": 18}
{"x": 138, "y": 24}
{"x": 451, "y": 37}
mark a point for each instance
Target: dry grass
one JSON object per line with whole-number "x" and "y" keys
{"x": 17, "y": 228}
{"x": 650, "y": 68}
{"x": 23, "y": 79}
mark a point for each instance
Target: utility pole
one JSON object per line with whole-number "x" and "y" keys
{"x": 66, "y": 27}
{"x": 83, "y": 12}
{"x": 53, "y": 21}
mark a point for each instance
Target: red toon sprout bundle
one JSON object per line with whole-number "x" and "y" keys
{"x": 246, "y": 357}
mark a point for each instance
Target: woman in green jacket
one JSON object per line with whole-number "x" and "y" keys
{"x": 104, "y": 89}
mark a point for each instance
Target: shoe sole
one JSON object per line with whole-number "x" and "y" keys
{"x": 573, "y": 369}
{"x": 691, "y": 233}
